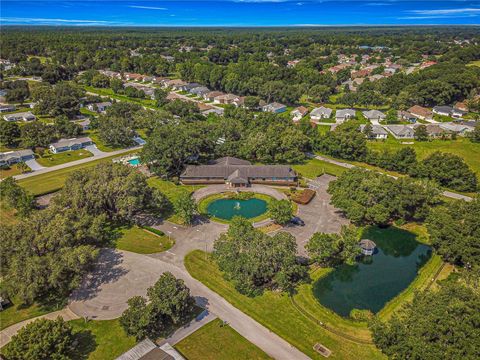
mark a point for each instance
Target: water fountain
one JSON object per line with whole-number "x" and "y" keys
{"x": 237, "y": 206}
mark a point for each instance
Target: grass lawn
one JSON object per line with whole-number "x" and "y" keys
{"x": 109, "y": 92}
{"x": 474, "y": 63}
{"x": 7, "y": 214}
{"x": 54, "y": 180}
{"x": 277, "y": 312}
{"x": 93, "y": 134}
{"x": 142, "y": 241}
{"x": 100, "y": 340}
{"x": 19, "y": 312}
{"x": 216, "y": 342}
{"x": 462, "y": 147}
{"x": 172, "y": 191}
{"x": 313, "y": 168}
{"x": 12, "y": 171}
{"x": 63, "y": 157}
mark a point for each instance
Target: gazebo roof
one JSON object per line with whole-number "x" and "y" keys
{"x": 367, "y": 244}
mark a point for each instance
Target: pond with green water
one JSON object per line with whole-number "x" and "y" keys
{"x": 374, "y": 280}
{"x": 226, "y": 209}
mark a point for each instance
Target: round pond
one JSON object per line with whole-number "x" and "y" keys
{"x": 226, "y": 209}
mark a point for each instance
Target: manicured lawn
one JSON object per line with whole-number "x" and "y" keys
{"x": 313, "y": 168}
{"x": 63, "y": 157}
{"x": 12, "y": 171}
{"x": 109, "y": 92}
{"x": 19, "y": 312}
{"x": 277, "y": 312}
{"x": 142, "y": 241}
{"x": 172, "y": 191}
{"x": 100, "y": 340}
{"x": 54, "y": 180}
{"x": 214, "y": 341}
{"x": 93, "y": 134}
{"x": 462, "y": 147}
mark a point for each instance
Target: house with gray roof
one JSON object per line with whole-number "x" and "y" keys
{"x": 199, "y": 90}
{"x": 21, "y": 116}
{"x": 459, "y": 129}
{"x": 343, "y": 115}
{"x": 321, "y": 112}
{"x": 274, "y": 107}
{"x": 7, "y": 108}
{"x": 378, "y": 132}
{"x": 374, "y": 115}
{"x": 401, "y": 131}
{"x": 99, "y": 107}
{"x": 238, "y": 173}
{"x": 70, "y": 144}
{"x": 13, "y": 157}
{"x": 148, "y": 350}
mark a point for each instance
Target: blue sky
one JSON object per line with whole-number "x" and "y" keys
{"x": 238, "y": 12}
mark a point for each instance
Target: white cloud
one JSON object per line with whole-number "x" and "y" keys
{"x": 147, "y": 7}
{"x": 462, "y": 11}
{"x": 46, "y": 21}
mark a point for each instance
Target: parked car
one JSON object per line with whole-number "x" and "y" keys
{"x": 297, "y": 221}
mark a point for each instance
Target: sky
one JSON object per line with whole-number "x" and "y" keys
{"x": 238, "y": 12}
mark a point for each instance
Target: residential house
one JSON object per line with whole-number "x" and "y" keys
{"x": 133, "y": 77}
{"x": 189, "y": 86}
{"x": 21, "y": 116}
{"x": 443, "y": 110}
{"x": 375, "y": 77}
{"x": 461, "y": 106}
{"x": 147, "y": 78}
{"x": 378, "y": 132}
{"x": 292, "y": 63}
{"x": 406, "y": 116}
{"x": 70, "y": 144}
{"x": 360, "y": 73}
{"x": 199, "y": 90}
{"x": 401, "y": 131}
{"x": 320, "y": 113}
{"x": 459, "y": 129}
{"x": 343, "y": 115}
{"x": 99, "y": 107}
{"x": 299, "y": 113}
{"x": 274, "y": 107}
{"x": 111, "y": 74}
{"x": 427, "y": 64}
{"x": 238, "y": 173}
{"x": 218, "y": 111}
{"x": 7, "y": 108}
{"x": 85, "y": 124}
{"x": 212, "y": 95}
{"x": 435, "y": 131}
{"x": 13, "y": 157}
{"x": 374, "y": 115}
{"x": 175, "y": 84}
{"x": 421, "y": 112}
{"x": 225, "y": 99}
{"x": 239, "y": 101}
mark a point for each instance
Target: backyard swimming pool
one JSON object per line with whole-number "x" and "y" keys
{"x": 374, "y": 280}
{"x": 134, "y": 162}
{"x": 226, "y": 209}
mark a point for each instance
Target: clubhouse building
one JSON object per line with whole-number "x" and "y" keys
{"x": 238, "y": 173}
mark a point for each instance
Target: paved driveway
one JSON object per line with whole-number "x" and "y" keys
{"x": 121, "y": 275}
{"x": 34, "y": 165}
{"x": 318, "y": 215}
{"x": 94, "y": 150}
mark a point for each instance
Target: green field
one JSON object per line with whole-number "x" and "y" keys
{"x": 54, "y": 180}
{"x": 12, "y": 171}
{"x": 474, "y": 63}
{"x": 142, "y": 241}
{"x": 214, "y": 341}
{"x": 63, "y": 157}
{"x": 100, "y": 340}
{"x": 462, "y": 147}
{"x": 109, "y": 92}
{"x": 18, "y": 312}
{"x": 313, "y": 168}
{"x": 277, "y": 312}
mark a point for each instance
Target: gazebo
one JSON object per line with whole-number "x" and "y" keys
{"x": 367, "y": 246}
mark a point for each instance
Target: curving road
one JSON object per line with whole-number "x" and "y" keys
{"x": 121, "y": 275}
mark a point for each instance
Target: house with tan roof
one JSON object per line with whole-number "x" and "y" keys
{"x": 421, "y": 112}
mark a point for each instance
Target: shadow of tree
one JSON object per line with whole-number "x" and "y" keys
{"x": 85, "y": 345}
{"x": 107, "y": 270}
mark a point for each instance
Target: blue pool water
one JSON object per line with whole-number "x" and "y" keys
{"x": 134, "y": 162}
